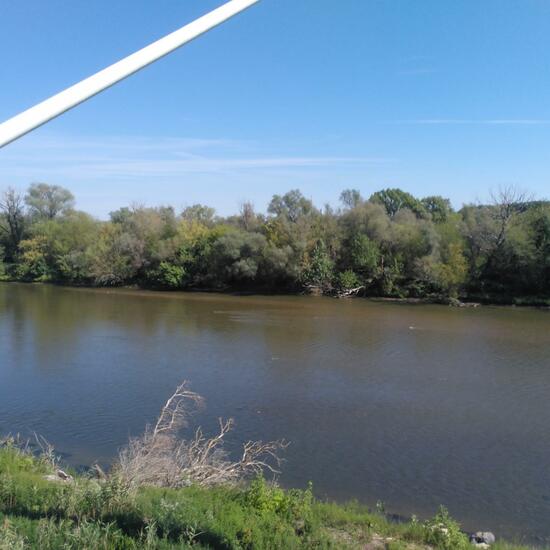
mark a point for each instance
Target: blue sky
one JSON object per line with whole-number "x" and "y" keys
{"x": 433, "y": 96}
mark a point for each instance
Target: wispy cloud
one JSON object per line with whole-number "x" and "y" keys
{"x": 166, "y": 160}
{"x": 485, "y": 122}
{"x": 115, "y": 145}
{"x": 133, "y": 157}
{"x": 107, "y": 173}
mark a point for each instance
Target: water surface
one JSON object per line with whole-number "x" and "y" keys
{"x": 414, "y": 406}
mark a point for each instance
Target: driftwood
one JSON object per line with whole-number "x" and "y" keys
{"x": 348, "y": 293}
{"x": 59, "y": 476}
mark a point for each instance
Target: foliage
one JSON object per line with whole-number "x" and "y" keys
{"x": 318, "y": 267}
{"x": 199, "y": 213}
{"x": 451, "y": 273}
{"x": 364, "y": 256}
{"x": 393, "y": 244}
{"x": 3, "y": 274}
{"x": 114, "y": 254}
{"x": 48, "y": 201}
{"x": 12, "y": 222}
{"x": 395, "y": 200}
{"x": 268, "y": 497}
{"x": 347, "y": 280}
{"x": 33, "y": 260}
{"x": 167, "y": 275}
{"x": 350, "y": 198}
{"x": 236, "y": 257}
{"x": 444, "y": 533}
{"x": 105, "y": 514}
{"x": 438, "y": 207}
{"x": 291, "y": 206}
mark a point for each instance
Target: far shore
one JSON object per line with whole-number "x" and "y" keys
{"x": 475, "y": 301}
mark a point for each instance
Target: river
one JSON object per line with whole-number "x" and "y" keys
{"x": 411, "y": 405}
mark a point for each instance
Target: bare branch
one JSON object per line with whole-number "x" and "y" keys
{"x": 176, "y": 411}
{"x": 47, "y": 451}
{"x": 161, "y": 458}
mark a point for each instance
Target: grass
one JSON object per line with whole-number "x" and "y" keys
{"x": 87, "y": 513}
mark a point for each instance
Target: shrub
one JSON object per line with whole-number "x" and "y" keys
{"x": 167, "y": 275}
{"x": 444, "y": 533}
{"x": 10, "y": 539}
{"x": 268, "y": 498}
{"x": 347, "y": 280}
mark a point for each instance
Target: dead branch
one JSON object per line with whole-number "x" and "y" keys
{"x": 47, "y": 451}
{"x": 161, "y": 458}
{"x": 350, "y": 292}
{"x": 175, "y": 413}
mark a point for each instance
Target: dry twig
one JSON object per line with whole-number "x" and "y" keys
{"x": 159, "y": 457}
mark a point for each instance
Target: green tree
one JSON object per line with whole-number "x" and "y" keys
{"x": 236, "y": 257}
{"x": 33, "y": 260}
{"x": 452, "y": 271}
{"x": 148, "y": 236}
{"x": 438, "y": 207}
{"x": 12, "y": 222}
{"x": 199, "y": 213}
{"x": 318, "y": 268}
{"x": 193, "y": 245}
{"x": 346, "y": 280}
{"x": 291, "y": 206}
{"x": 351, "y": 198}
{"x": 279, "y": 267}
{"x": 364, "y": 256}
{"x": 392, "y": 244}
{"x": 168, "y": 275}
{"x": 48, "y": 201}
{"x": 2, "y": 265}
{"x": 538, "y": 222}
{"x": 112, "y": 254}
{"x": 395, "y": 200}
{"x": 248, "y": 219}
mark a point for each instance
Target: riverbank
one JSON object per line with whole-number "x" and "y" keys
{"x": 41, "y": 507}
{"x": 466, "y": 301}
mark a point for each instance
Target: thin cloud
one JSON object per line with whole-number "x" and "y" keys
{"x": 121, "y": 143}
{"x": 481, "y": 122}
{"x": 137, "y": 157}
{"x": 167, "y": 167}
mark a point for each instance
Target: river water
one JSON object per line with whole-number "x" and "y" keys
{"x": 411, "y": 405}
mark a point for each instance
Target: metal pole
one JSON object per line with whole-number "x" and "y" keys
{"x": 56, "y": 105}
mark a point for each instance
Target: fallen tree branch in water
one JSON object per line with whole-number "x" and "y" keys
{"x": 350, "y": 292}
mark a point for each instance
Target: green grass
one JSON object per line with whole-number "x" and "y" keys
{"x": 91, "y": 514}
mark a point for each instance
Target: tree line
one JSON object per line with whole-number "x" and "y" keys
{"x": 391, "y": 244}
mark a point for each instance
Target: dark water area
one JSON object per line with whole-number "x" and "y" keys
{"x": 414, "y": 406}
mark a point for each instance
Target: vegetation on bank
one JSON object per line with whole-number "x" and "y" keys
{"x": 91, "y": 513}
{"x": 166, "y": 492}
{"x": 392, "y": 245}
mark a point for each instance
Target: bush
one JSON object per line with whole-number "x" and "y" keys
{"x": 347, "y": 280}
{"x": 444, "y": 533}
{"x": 10, "y": 539}
{"x": 269, "y": 498}
{"x": 167, "y": 275}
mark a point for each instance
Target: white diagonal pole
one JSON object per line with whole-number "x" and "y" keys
{"x": 56, "y": 105}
